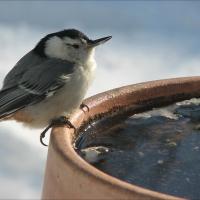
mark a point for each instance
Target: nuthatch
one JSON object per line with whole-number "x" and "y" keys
{"x": 50, "y": 82}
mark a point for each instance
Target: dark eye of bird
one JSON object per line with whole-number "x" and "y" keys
{"x": 76, "y": 46}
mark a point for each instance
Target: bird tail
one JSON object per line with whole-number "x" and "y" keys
{"x": 8, "y": 100}
{"x": 4, "y": 118}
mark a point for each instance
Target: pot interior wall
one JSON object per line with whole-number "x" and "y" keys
{"x": 158, "y": 150}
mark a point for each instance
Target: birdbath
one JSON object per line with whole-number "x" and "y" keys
{"x": 145, "y": 152}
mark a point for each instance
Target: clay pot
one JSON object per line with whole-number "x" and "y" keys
{"x": 68, "y": 176}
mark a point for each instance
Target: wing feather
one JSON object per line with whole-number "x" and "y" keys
{"x": 33, "y": 84}
{"x": 16, "y": 99}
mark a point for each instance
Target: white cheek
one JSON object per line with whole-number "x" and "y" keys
{"x": 55, "y": 48}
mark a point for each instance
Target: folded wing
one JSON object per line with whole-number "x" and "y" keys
{"x": 34, "y": 85}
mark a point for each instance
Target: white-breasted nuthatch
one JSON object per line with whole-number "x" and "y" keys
{"x": 50, "y": 81}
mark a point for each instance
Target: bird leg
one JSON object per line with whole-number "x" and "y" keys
{"x": 60, "y": 121}
{"x": 82, "y": 106}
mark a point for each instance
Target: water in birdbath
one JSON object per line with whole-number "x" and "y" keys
{"x": 158, "y": 150}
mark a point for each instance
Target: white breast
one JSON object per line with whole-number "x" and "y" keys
{"x": 64, "y": 101}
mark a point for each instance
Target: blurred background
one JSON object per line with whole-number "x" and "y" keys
{"x": 151, "y": 40}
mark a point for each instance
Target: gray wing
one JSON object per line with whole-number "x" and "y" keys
{"x": 29, "y": 61}
{"x": 33, "y": 85}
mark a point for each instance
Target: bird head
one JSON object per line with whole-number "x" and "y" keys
{"x": 70, "y": 44}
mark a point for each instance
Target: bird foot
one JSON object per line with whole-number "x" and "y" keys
{"x": 60, "y": 121}
{"x": 82, "y": 106}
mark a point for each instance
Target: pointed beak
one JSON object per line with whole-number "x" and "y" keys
{"x": 94, "y": 43}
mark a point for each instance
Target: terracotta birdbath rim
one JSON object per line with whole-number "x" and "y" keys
{"x": 128, "y": 99}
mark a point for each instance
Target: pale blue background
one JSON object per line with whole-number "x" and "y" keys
{"x": 151, "y": 40}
